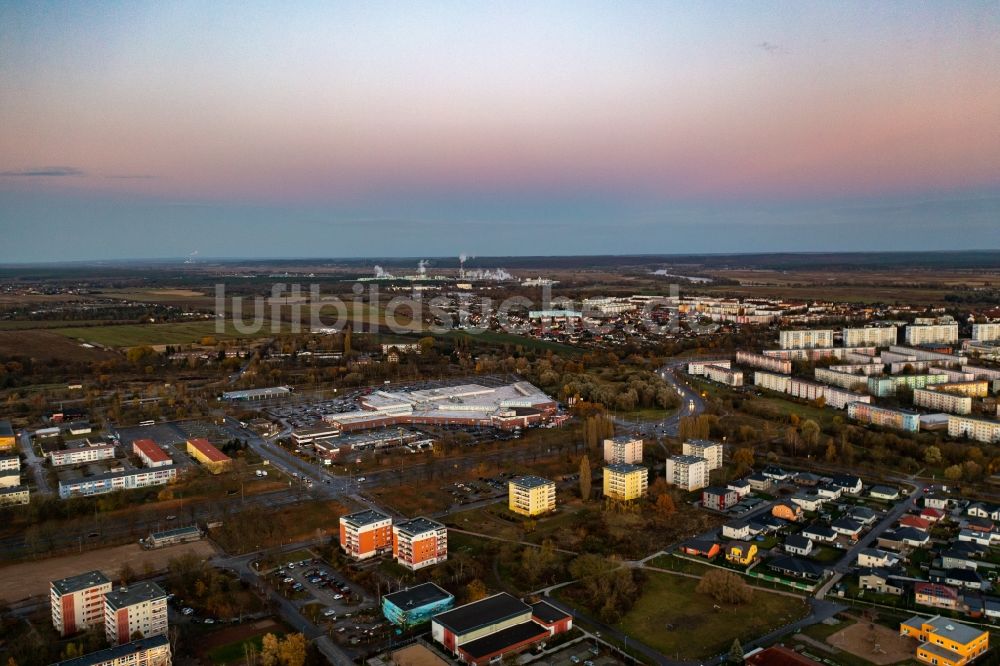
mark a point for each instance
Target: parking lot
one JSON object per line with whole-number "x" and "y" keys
{"x": 583, "y": 653}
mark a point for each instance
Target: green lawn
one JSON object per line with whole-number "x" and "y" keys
{"x": 501, "y": 338}
{"x": 679, "y": 622}
{"x": 235, "y": 653}
{"x": 133, "y": 335}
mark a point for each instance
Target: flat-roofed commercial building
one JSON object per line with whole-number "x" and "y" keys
{"x": 805, "y": 339}
{"x": 7, "y": 439}
{"x": 486, "y": 631}
{"x": 137, "y": 608}
{"x": 708, "y": 449}
{"x": 878, "y": 336}
{"x": 416, "y": 605}
{"x": 172, "y": 537}
{"x": 253, "y": 395}
{"x": 931, "y": 334}
{"x": 153, "y": 651}
{"x": 979, "y": 430}
{"x": 884, "y": 416}
{"x": 214, "y": 460}
{"x": 302, "y": 436}
{"x": 366, "y": 534}
{"x": 942, "y": 401}
{"x": 623, "y": 449}
{"x": 77, "y": 602}
{"x": 986, "y": 332}
{"x": 625, "y": 482}
{"x": 79, "y": 455}
{"x": 687, "y": 472}
{"x": 150, "y": 453}
{"x": 419, "y": 543}
{"x": 944, "y": 641}
{"x": 531, "y": 495}
{"x": 100, "y": 484}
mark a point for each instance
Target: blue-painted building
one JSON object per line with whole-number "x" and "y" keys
{"x": 413, "y": 606}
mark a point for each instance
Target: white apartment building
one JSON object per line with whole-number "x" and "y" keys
{"x": 842, "y": 379}
{"x": 931, "y": 334}
{"x": 699, "y": 367}
{"x": 805, "y": 339}
{"x": 687, "y": 472}
{"x": 979, "y": 430}
{"x": 940, "y": 401}
{"x": 77, "y": 602}
{"x": 986, "y": 332}
{"x": 152, "y": 651}
{"x": 708, "y": 449}
{"x": 724, "y": 375}
{"x": 623, "y": 449}
{"x": 82, "y": 454}
{"x": 877, "y": 336}
{"x": 771, "y": 381}
{"x": 140, "y": 607}
{"x": 10, "y": 463}
{"x": 763, "y": 362}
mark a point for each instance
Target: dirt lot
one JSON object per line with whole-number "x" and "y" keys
{"x": 29, "y": 579}
{"x": 239, "y": 633}
{"x": 860, "y": 638}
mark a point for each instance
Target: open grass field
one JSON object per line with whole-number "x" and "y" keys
{"x": 227, "y": 646}
{"x": 679, "y": 622}
{"x": 501, "y": 338}
{"x": 29, "y": 579}
{"x": 134, "y": 335}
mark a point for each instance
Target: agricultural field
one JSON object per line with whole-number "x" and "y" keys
{"x": 134, "y": 335}
{"x": 46, "y": 346}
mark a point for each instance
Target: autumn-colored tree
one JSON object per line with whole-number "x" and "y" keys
{"x": 293, "y": 650}
{"x": 665, "y": 506}
{"x": 831, "y": 450}
{"x": 475, "y": 590}
{"x": 725, "y": 587}
{"x": 743, "y": 460}
{"x": 585, "y": 477}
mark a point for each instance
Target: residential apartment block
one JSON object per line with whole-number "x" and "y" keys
{"x": 625, "y": 482}
{"x": 724, "y": 375}
{"x": 10, "y": 463}
{"x": 137, "y": 608}
{"x": 366, "y": 534}
{"x": 885, "y": 386}
{"x": 419, "y": 543}
{"x": 884, "y": 416}
{"x": 79, "y": 455}
{"x": 708, "y": 449}
{"x": 150, "y": 453}
{"x": 623, "y": 449}
{"x": 986, "y": 332}
{"x": 942, "y": 401}
{"x": 805, "y": 339}
{"x": 7, "y": 440}
{"x": 15, "y": 495}
{"x": 979, "y": 430}
{"x": 700, "y": 367}
{"x": 84, "y": 486}
{"x": 153, "y": 651}
{"x": 877, "y": 336}
{"x": 931, "y": 334}
{"x": 763, "y": 362}
{"x": 77, "y": 602}
{"x": 532, "y": 495}
{"x": 687, "y": 472}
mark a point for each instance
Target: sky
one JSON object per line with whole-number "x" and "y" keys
{"x": 351, "y": 129}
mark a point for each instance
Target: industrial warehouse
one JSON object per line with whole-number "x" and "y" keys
{"x": 506, "y": 407}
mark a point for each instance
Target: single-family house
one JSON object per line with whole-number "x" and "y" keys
{"x": 830, "y": 491}
{"x": 850, "y": 484}
{"x": 786, "y": 510}
{"x": 916, "y": 522}
{"x": 884, "y": 493}
{"x": 821, "y": 533}
{"x": 863, "y": 515}
{"x": 984, "y": 510}
{"x": 809, "y": 500}
{"x": 881, "y": 581}
{"x": 701, "y": 548}
{"x": 807, "y": 479}
{"x": 969, "y": 579}
{"x": 796, "y": 544}
{"x": 740, "y": 486}
{"x": 932, "y": 515}
{"x": 760, "y": 483}
{"x": 718, "y": 499}
{"x": 742, "y": 553}
{"x": 873, "y": 558}
{"x": 936, "y": 595}
{"x": 935, "y": 501}
{"x": 796, "y": 567}
{"x": 847, "y": 527}
{"x": 775, "y": 473}
{"x": 982, "y": 538}
{"x": 737, "y": 530}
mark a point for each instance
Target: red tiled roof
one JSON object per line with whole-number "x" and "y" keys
{"x": 206, "y": 448}
{"x": 779, "y": 656}
{"x": 150, "y": 449}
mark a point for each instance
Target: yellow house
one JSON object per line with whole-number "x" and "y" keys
{"x": 531, "y": 495}
{"x": 7, "y": 441}
{"x": 742, "y": 553}
{"x": 212, "y": 458}
{"x": 625, "y": 482}
{"x": 945, "y": 642}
